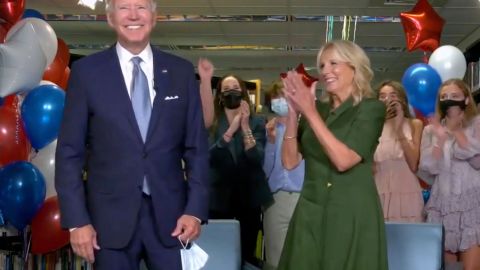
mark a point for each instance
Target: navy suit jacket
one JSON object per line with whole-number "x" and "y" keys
{"x": 99, "y": 132}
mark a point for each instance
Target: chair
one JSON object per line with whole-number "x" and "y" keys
{"x": 220, "y": 238}
{"x": 414, "y": 246}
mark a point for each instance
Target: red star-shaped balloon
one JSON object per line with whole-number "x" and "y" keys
{"x": 307, "y": 78}
{"x": 422, "y": 27}
{"x": 11, "y": 10}
{"x": 3, "y": 32}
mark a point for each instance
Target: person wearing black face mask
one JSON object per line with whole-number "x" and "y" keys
{"x": 238, "y": 186}
{"x": 446, "y": 104}
{"x": 232, "y": 99}
{"x": 450, "y": 153}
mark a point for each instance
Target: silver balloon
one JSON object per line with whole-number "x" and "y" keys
{"x": 21, "y": 65}
{"x": 41, "y": 31}
{"x": 449, "y": 62}
{"x": 44, "y": 160}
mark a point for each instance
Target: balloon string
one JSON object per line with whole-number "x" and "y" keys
{"x": 326, "y": 29}
{"x": 16, "y": 108}
{"x": 425, "y": 57}
{"x": 348, "y": 27}
{"x": 355, "y": 29}
{"x": 330, "y": 30}
{"x": 27, "y": 241}
{"x": 347, "y": 20}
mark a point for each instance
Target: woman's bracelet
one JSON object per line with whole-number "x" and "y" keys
{"x": 247, "y": 133}
{"x": 248, "y": 137}
{"x": 250, "y": 140}
{"x": 289, "y": 137}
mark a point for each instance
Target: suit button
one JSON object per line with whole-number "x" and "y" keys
{"x": 145, "y": 155}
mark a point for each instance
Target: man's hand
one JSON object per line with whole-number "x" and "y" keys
{"x": 83, "y": 241}
{"x": 188, "y": 228}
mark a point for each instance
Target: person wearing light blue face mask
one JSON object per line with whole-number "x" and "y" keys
{"x": 284, "y": 184}
{"x": 279, "y": 106}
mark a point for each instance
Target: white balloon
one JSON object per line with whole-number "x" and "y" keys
{"x": 44, "y": 160}
{"x": 21, "y": 65}
{"x": 449, "y": 62}
{"x": 45, "y": 82}
{"x": 41, "y": 31}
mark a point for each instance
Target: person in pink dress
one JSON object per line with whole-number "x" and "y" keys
{"x": 396, "y": 158}
{"x": 450, "y": 152}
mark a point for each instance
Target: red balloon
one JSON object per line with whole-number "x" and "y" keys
{"x": 63, "y": 52}
{"x": 307, "y": 78}
{"x": 422, "y": 26}
{"x": 421, "y": 117}
{"x": 3, "y": 32}
{"x": 64, "y": 82}
{"x": 11, "y": 10}
{"x": 47, "y": 233}
{"x": 56, "y": 70}
{"x": 423, "y": 184}
{"x": 14, "y": 145}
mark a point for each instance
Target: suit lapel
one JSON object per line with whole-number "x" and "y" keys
{"x": 120, "y": 94}
{"x": 161, "y": 81}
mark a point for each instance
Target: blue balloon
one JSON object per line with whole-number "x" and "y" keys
{"x": 426, "y": 195}
{"x": 22, "y": 192}
{"x": 422, "y": 83}
{"x": 42, "y": 112}
{"x": 32, "y": 13}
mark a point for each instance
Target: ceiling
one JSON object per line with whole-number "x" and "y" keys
{"x": 254, "y": 48}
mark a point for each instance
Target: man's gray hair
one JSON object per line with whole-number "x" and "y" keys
{"x": 109, "y": 5}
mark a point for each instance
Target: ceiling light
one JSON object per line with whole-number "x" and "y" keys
{"x": 89, "y": 3}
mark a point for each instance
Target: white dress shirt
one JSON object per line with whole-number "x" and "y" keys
{"x": 125, "y": 57}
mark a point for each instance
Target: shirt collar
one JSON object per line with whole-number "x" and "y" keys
{"x": 125, "y": 56}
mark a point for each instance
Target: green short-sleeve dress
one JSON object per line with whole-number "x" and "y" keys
{"x": 338, "y": 222}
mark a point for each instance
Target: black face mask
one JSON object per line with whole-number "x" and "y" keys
{"x": 232, "y": 99}
{"x": 448, "y": 103}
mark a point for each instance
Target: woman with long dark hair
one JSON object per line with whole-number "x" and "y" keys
{"x": 238, "y": 184}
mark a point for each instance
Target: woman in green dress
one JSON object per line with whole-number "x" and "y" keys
{"x": 338, "y": 222}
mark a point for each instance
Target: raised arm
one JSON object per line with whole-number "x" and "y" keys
{"x": 205, "y": 71}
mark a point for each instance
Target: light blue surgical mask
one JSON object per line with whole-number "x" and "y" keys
{"x": 280, "y": 106}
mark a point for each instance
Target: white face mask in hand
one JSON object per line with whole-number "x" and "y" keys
{"x": 193, "y": 257}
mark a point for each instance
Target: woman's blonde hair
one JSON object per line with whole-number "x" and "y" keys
{"x": 275, "y": 91}
{"x": 471, "y": 109}
{"x": 356, "y": 57}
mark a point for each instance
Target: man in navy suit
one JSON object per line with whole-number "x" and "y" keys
{"x": 135, "y": 203}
